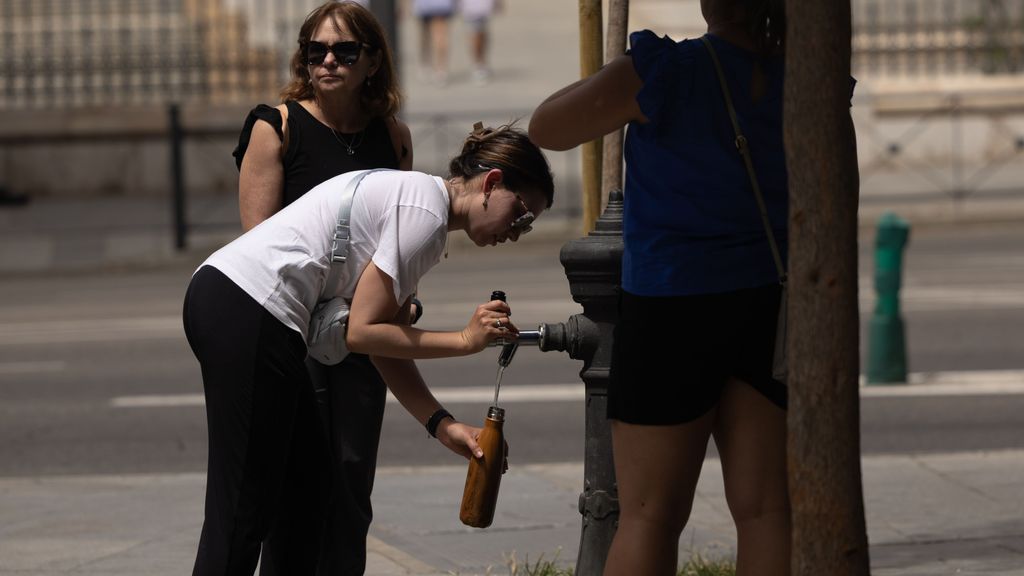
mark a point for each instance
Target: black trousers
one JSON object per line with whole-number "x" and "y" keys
{"x": 268, "y": 471}
{"x": 351, "y": 397}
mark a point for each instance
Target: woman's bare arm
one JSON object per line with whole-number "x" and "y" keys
{"x": 374, "y": 327}
{"x": 261, "y": 176}
{"x": 589, "y": 108}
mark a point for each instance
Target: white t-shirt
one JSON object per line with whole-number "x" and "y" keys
{"x": 399, "y": 220}
{"x": 477, "y": 9}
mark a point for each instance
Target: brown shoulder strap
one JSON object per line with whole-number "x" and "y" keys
{"x": 741, "y": 145}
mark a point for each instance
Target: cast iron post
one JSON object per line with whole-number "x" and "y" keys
{"x": 593, "y": 265}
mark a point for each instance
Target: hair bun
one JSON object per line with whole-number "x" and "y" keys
{"x": 476, "y": 138}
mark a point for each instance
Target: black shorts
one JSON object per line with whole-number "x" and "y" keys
{"x": 673, "y": 355}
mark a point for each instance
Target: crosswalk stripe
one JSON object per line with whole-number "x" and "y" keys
{"x": 936, "y": 384}
{"x": 466, "y": 395}
{"x": 32, "y": 367}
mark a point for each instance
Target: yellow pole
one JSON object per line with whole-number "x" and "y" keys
{"x": 618, "y": 21}
{"x": 590, "y": 62}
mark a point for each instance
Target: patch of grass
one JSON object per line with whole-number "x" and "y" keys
{"x": 700, "y": 566}
{"x": 697, "y": 565}
{"x": 540, "y": 567}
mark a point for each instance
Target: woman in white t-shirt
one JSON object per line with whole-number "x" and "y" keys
{"x": 246, "y": 316}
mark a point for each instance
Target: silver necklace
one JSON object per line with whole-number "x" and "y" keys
{"x": 350, "y": 146}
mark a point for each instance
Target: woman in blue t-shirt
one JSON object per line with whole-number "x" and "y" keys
{"x": 696, "y": 258}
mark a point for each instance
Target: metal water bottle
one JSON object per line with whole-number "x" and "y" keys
{"x": 480, "y": 496}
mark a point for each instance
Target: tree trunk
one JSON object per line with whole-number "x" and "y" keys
{"x": 829, "y": 532}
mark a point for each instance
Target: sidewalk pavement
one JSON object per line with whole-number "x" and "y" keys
{"x": 927, "y": 515}
{"x": 61, "y": 235}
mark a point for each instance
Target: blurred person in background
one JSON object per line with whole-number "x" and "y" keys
{"x": 477, "y": 14}
{"x": 694, "y": 243}
{"x": 247, "y": 312}
{"x": 435, "y": 18}
{"x": 338, "y": 114}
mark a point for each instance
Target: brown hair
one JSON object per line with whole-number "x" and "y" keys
{"x": 381, "y": 96}
{"x": 521, "y": 162}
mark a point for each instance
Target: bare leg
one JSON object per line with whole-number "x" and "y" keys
{"x": 439, "y": 41}
{"x": 425, "y": 43}
{"x": 751, "y": 438}
{"x": 479, "y": 43}
{"x": 656, "y": 469}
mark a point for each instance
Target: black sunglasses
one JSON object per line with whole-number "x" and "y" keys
{"x": 346, "y": 53}
{"x": 524, "y": 222}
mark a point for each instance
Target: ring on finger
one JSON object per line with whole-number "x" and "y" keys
{"x": 497, "y": 323}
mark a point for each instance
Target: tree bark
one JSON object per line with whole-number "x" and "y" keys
{"x": 829, "y": 532}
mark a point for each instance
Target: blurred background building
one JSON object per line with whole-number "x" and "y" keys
{"x": 56, "y": 54}
{"x": 913, "y": 38}
{"x": 101, "y": 53}
{"x": 86, "y": 86}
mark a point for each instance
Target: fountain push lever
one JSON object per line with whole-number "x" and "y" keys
{"x": 526, "y": 338}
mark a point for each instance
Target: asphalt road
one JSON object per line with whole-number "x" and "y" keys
{"x": 76, "y": 350}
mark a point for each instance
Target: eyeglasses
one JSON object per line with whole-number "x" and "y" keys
{"x": 523, "y": 223}
{"x": 346, "y": 53}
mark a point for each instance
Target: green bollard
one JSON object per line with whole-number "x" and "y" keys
{"x": 887, "y": 352}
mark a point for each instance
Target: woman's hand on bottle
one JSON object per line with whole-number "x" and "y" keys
{"x": 460, "y": 438}
{"x": 490, "y": 322}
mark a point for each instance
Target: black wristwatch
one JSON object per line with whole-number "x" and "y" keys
{"x": 435, "y": 421}
{"x": 419, "y": 309}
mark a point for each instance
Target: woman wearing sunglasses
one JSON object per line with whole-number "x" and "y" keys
{"x": 337, "y": 115}
{"x": 246, "y": 316}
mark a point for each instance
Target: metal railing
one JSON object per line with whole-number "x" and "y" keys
{"x": 208, "y": 181}
{"x": 956, "y": 144}
{"x": 59, "y": 54}
{"x": 938, "y": 37}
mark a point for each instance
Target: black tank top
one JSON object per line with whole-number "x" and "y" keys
{"x": 316, "y": 154}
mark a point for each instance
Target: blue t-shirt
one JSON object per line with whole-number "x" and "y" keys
{"x": 691, "y": 223}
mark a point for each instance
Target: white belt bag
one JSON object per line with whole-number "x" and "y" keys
{"x": 329, "y": 320}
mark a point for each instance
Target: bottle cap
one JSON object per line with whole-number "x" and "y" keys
{"x": 496, "y": 413}
{"x": 498, "y": 295}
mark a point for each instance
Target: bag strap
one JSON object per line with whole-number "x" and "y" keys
{"x": 741, "y": 145}
{"x": 342, "y": 227}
